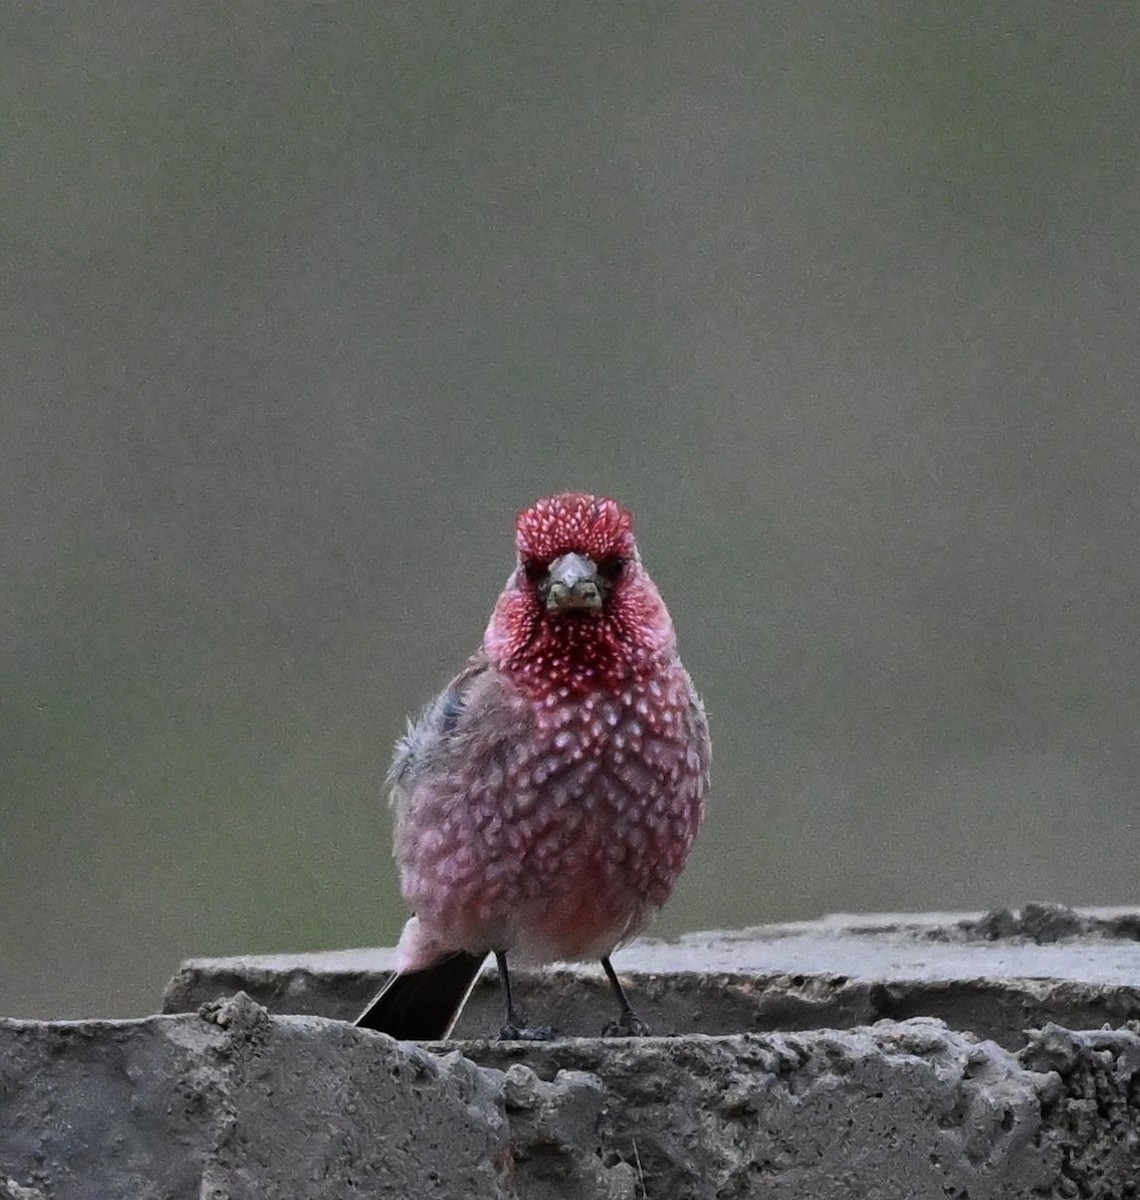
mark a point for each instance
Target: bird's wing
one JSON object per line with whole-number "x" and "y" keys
{"x": 472, "y": 719}
{"x": 697, "y": 727}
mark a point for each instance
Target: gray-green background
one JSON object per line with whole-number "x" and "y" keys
{"x": 301, "y": 301}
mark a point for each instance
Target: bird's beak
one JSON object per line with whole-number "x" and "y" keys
{"x": 572, "y": 583}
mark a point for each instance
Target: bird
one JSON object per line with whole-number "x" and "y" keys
{"x": 547, "y": 800}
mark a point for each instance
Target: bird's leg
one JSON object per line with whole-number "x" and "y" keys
{"x": 515, "y": 1028}
{"x": 628, "y": 1023}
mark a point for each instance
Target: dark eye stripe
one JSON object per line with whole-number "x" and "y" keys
{"x": 610, "y": 569}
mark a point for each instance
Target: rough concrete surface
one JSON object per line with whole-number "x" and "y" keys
{"x": 903, "y": 1109}
{"x": 231, "y": 1102}
{"x": 995, "y": 974}
{"x": 240, "y": 1105}
{"x": 236, "y": 1104}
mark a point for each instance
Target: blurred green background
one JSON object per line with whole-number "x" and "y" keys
{"x": 302, "y": 301}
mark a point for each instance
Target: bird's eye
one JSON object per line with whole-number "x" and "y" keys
{"x": 612, "y": 568}
{"x": 534, "y": 569}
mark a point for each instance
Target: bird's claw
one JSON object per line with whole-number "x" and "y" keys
{"x": 629, "y": 1024}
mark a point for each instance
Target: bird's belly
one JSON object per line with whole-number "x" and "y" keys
{"x": 565, "y": 859}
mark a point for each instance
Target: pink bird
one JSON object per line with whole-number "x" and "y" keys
{"x": 547, "y": 800}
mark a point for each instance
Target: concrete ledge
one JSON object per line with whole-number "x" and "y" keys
{"x": 232, "y": 1102}
{"x": 236, "y": 1104}
{"x": 900, "y": 1110}
{"x": 994, "y": 974}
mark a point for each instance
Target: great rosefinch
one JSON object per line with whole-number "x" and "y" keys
{"x": 547, "y": 800}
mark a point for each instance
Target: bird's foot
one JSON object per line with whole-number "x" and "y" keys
{"x": 629, "y": 1024}
{"x": 518, "y": 1031}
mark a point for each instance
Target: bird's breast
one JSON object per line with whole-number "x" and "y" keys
{"x": 576, "y": 830}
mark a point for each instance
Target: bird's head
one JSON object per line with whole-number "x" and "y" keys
{"x": 579, "y": 610}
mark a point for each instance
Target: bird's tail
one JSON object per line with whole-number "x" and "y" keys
{"x": 423, "y": 1006}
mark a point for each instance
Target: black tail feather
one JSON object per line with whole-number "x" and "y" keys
{"x": 423, "y": 1006}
